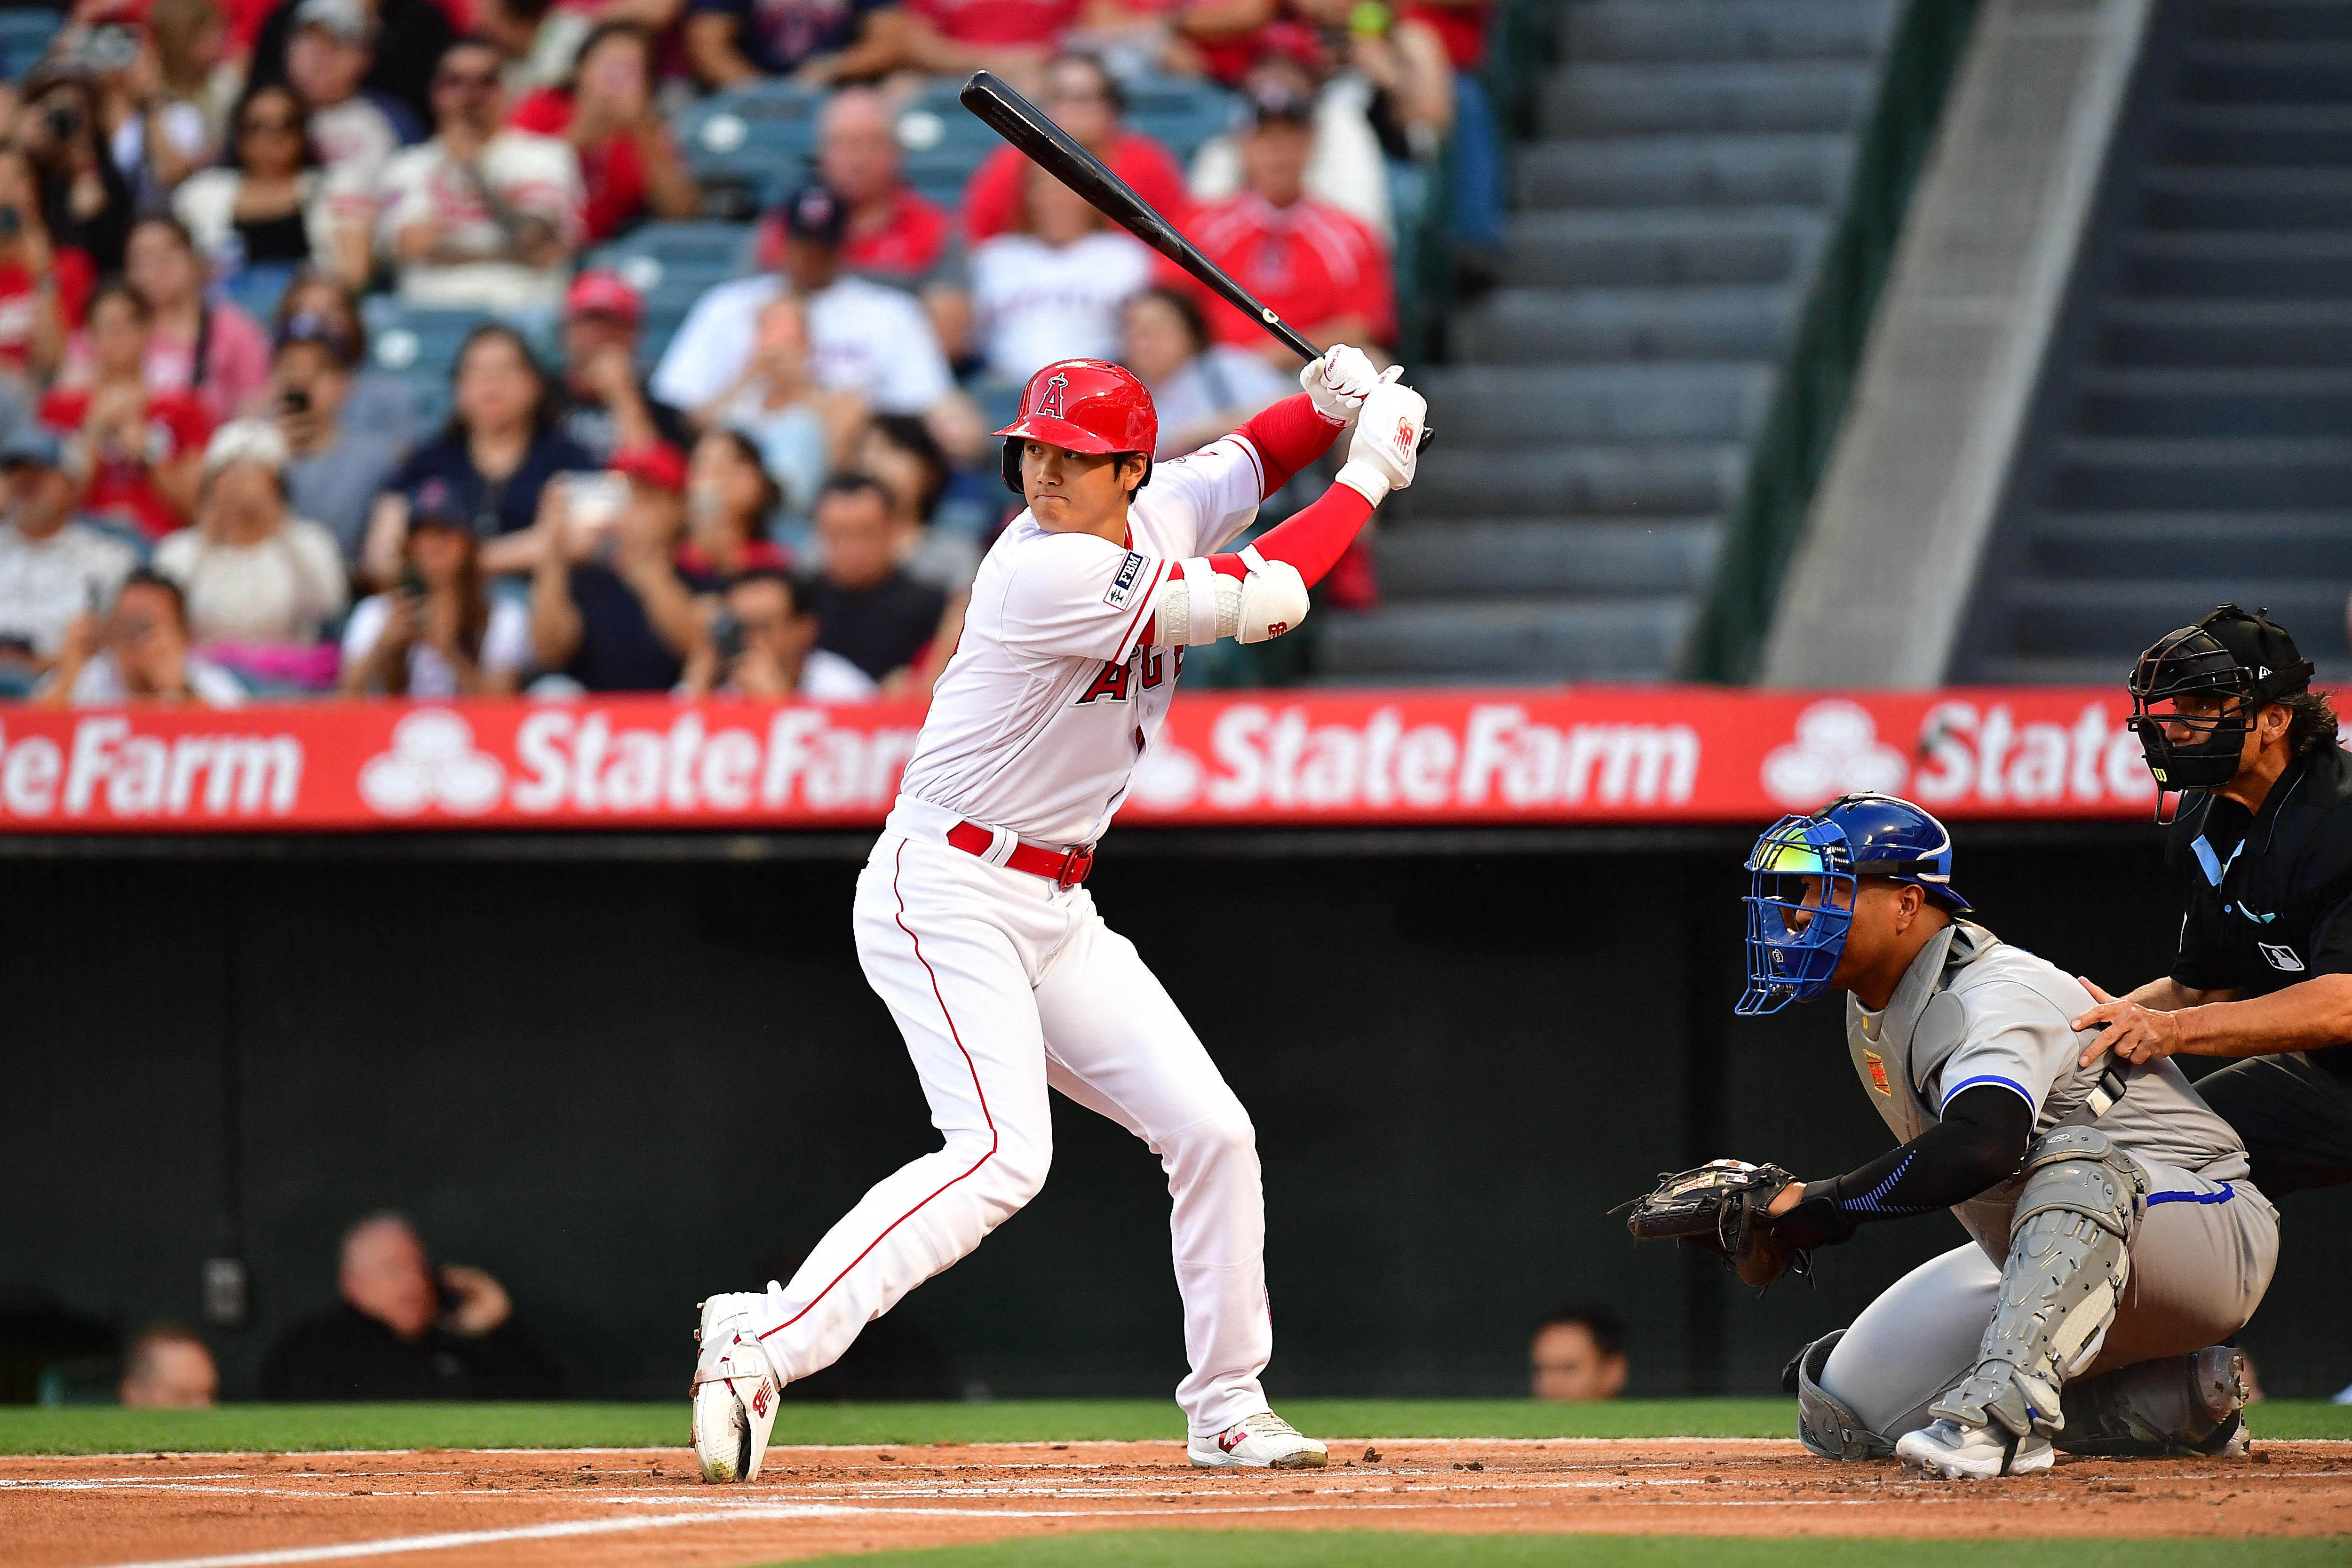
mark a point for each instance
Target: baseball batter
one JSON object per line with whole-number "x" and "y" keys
{"x": 2114, "y": 1226}
{"x": 972, "y": 921}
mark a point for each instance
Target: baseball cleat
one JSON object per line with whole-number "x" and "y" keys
{"x": 734, "y": 1393}
{"x": 1945, "y": 1450}
{"x": 1261, "y": 1442}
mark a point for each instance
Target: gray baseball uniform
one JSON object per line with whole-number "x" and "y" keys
{"x": 1973, "y": 1010}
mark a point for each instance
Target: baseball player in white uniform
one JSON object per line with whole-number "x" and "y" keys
{"x": 972, "y": 918}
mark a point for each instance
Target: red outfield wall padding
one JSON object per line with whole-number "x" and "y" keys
{"x": 1571, "y": 755}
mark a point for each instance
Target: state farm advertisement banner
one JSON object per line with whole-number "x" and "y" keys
{"x": 1291, "y": 758}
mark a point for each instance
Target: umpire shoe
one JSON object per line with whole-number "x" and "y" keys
{"x": 1945, "y": 1450}
{"x": 735, "y": 1390}
{"x": 1261, "y": 1442}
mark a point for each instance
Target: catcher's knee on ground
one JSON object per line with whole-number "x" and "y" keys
{"x": 1826, "y": 1424}
{"x": 1911, "y": 1344}
{"x": 2069, "y": 1256}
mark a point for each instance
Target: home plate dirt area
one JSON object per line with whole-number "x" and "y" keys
{"x": 620, "y": 1508}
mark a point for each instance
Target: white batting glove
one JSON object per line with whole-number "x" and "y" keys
{"x": 1387, "y": 441}
{"x": 1339, "y": 382}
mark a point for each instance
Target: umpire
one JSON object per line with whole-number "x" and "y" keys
{"x": 2262, "y": 848}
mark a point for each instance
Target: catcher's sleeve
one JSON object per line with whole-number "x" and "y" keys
{"x": 1977, "y": 1145}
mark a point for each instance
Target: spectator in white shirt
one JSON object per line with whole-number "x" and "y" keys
{"x": 1053, "y": 290}
{"x": 1200, "y": 389}
{"x": 439, "y": 634}
{"x": 137, "y": 653}
{"x": 862, "y": 337}
{"x": 356, "y": 133}
{"x": 53, "y": 570}
{"x": 481, "y": 217}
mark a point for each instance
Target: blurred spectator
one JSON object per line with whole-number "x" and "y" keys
{"x": 730, "y": 502}
{"x": 356, "y": 131}
{"x": 44, "y": 287}
{"x": 1477, "y": 174}
{"x": 168, "y": 1368}
{"x": 537, "y": 41}
{"x": 155, "y": 142}
{"x": 1224, "y": 40}
{"x": 192, "y": 45}
{"x": 1084, "y": 100}
{"x": 1202, "y": 390}
{"x": 85, "y": 201}
{"x": 137, "y": 653}
{"x": 403, "y": 41}
{"x": 1318, "y": 268}
{"x": 53, "y": 570}
{"x": 1052, "y": 289}
{"x": 898, "y": 450}
{"x": 379, "y": 401}
{"x": 1577, "y": 1353}
{"x": 261, "y": 584}
{"x": 1014, "y": 39}
{"x": 868, "y": 610}
{"x": 815, "y": 42}
{"x": 440, "y": 633}
{"x": 796, "y": 427}
{"x": 139, "y": 451}
{"x": 405, "y": 1330}
{"x": 605, "y": 407}
{"x": 608, "y": 608}
{"x": 480, "y": 217}
{"x": 605, "y": 109}
{"x": 862, "y": 338}
{"x": 266, "y": 212}
{"x": 762, "y": 644}
{"x": 336, "y": 469}
{"x": 214, "y": 352}
{"x": 496, "y": 455}
{"x": 1346, "y": 166}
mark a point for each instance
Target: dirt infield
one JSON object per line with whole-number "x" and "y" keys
{"x": 623, "y": 1508}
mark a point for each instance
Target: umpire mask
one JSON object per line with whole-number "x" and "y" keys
{"x": 2196, "y": 692}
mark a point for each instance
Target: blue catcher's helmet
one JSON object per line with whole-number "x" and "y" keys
{"x": 1855, "y": 836}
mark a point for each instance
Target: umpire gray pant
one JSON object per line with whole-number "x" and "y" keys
{"x": 2198, "y": 1268}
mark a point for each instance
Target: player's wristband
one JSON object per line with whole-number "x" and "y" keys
{"x": 1366, "y": 479}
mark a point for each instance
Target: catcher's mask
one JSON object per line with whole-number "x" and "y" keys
{"x": 2223, "y": 668}
{"x": 1855, "y": 836}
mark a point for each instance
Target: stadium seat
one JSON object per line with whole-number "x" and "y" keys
{"x": 23, "y": 39}
{"x": 663, "y": 259}
{"x": 937, "y": 120}
{"x": 737, "y": 141}
{"x": 1180, "y": 115}
{"x": 942, "y": 173}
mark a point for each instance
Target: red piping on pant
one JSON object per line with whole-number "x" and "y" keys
{"x": 993, "y": 1138}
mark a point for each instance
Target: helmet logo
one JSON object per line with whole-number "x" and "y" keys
{"x": 1053, "y": 397}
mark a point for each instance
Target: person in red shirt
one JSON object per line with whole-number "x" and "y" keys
{"x": 43, "y": 287}
{"x": 142, "y": 452}
{"x": 1014, "y": 39}
{"x": 1084, "y": 99}
{"x": 628, "y": 165}
{"x": 1318, "y": 268}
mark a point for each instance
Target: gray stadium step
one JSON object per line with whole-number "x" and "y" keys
{"x": 1662, "y": 480}
{"x": 2058, "y": 619}
{"x": 1515, "y": 326}
{"x": 1615, "y": 637}
{"x": 2302, "y": 70}
{"x": 2131, "y": 546}
{"x": 1621, "y": 248}
{"x": 1610, "y": 99}
{"x": 2205, "y": 471}
{"x": 1728, "y": 29}
{"x": 2241, "y": 197}
{"x": 1795, "y": 170}
{"x": 1497, "y": 406}
{"x": 2281, "y": 21}
{"x": 1496, "y": 557}
{"x": 2311, "y": 401}
{"x": 2225, "y": 332}
{"x": 2284, "y": 135}
{"x": 2271, "y": 263}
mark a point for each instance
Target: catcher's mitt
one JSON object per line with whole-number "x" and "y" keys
{"x": 1720, "y": 1206}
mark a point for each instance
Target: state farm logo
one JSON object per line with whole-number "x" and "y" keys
{"x": 432, "y": 762}
{"x": 1836, "y": 751}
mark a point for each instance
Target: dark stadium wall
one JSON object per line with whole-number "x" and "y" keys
{"x": 621, "y": 1083}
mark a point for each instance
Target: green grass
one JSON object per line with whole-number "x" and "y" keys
{"x": 1398, "y": 1549}
{"x": 94, "y": 1429}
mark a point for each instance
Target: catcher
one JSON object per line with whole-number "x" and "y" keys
{"x": 2117, "y": 1239}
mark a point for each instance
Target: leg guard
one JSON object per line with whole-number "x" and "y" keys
{"x": 2069, "y": 1254}
{"x": 1824, "y": 1424}
{"x": 2176, "y": 1404}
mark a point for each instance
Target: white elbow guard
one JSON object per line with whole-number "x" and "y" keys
{"x": 1199, "y": 604}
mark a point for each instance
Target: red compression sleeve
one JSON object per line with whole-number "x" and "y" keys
{"x": 1311, "y": 539}
{"x": 1289, "y": 436}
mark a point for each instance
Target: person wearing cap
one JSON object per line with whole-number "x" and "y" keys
{"x": 335, "y": 469}
{"x": 137, "y": 451}
{"x": 440, "y": 633}
{"x": 1321, "y": 269}
{"x": 1084, "y": 100}
{"x": 601, "y": 404}
{"x": 137, "y": 652}
{"x": 482, "y": 216}
{"x": 402, "y": 40}
{"x": 608, "y": 608}
{"x": 2262, "y": 846}
{"x": 261, "y": 584}
{"x": 604, "y": 106}
{"x": 327, "y": 63}
{"x": 863, "y": 337}
{"x": 53, "y": 569}
{"x": 730, "y": 42}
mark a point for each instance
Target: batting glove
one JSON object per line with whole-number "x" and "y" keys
{"x": 1387, "y": 441}
{"x": 1339, "y": 382}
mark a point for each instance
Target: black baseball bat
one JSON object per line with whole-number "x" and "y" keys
{"x": 1024, "y": 125}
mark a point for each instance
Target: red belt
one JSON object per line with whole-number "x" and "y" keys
{"x": 1064, "y": 870}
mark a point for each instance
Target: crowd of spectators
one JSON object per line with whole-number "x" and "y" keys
{"x": 217, "y": 216}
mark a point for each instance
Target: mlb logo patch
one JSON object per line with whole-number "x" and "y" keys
{"x": 2281, "y": 957}
{"x": 1877, "y": 1065}
{"x": 1122, "y": 587}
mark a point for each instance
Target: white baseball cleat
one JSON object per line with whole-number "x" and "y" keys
{"x": 734, "y": 1393}
{"x": 1261, "y": 1442}
{"x": 1945, "y": 1450}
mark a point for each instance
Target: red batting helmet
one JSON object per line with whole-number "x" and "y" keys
{"x": 1083, "y": 406}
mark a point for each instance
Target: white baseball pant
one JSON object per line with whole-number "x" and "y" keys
{"x": 1004, "y": 985}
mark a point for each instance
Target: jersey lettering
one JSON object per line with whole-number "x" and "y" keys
{"x": 1154, "y": 666}
{"x": 1110, "y": 683}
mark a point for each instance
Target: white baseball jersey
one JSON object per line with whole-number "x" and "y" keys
{"x": 1038, "y": 722}
{"x": 1034, "y": 303}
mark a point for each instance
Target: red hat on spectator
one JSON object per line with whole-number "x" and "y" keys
{"x": 658, "y": 463}
{"x": 1083, "y": 406}
{"x": 600, "y": 292}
